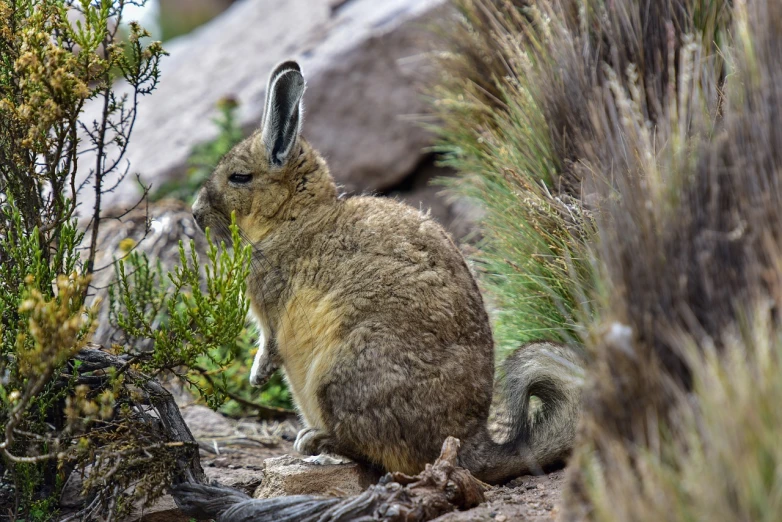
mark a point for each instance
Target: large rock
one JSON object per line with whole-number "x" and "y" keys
{"x": 363, "y": 62}
{"x": 457, "y": 215}
{"x": 289, "y": 475}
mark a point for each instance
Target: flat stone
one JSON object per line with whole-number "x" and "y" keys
{"x": 243, "y": 479}
{"x": 205, "y": 422}
{"x": 288, "y": 475}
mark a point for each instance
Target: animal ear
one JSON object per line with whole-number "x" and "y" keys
{"x": 283, "y": 112}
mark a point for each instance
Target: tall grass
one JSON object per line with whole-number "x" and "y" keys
{"x": 514, "y": 101}
{"x": 496, "y": 132}
{"x": 691, "y": 248}
{"x": 716, "y": 456}
{"x": 659, "y": 122}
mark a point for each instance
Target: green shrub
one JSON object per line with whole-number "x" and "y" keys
{"x": 176, "y": 327}
{"x": 67, "y": 407}
{"x": 199, "y": 336}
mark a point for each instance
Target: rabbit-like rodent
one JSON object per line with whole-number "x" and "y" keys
{"x": 374, "y": 316}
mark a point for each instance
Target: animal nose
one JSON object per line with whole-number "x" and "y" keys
{"x": 199, "y": 209}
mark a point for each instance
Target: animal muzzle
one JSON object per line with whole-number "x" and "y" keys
{"x": 200, "y": 207}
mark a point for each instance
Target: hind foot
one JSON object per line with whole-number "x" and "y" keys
{"x": 324, "y": 459}
{"x": 312, "y": 441}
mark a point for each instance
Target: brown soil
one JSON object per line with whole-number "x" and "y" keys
{"x": 525, "y": 498}
{"x": 236, "y": 459}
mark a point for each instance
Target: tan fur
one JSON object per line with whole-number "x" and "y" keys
{"x": 309, "y": 343}
{"x": 372, "y": 312}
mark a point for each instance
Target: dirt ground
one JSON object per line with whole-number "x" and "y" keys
{"x": 525, "y": 498}
{"x": 233, "y": 453}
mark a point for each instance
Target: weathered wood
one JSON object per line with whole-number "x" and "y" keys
{"x": 173, "y": 425}
{"x": 441, "y": 488}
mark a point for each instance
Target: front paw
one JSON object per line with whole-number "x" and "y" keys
{"x": 311, "y": 441}
{"x": 261, "y": 373}
{"x": 264, "y": 365}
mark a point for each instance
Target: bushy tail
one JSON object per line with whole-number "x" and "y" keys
{"x": 223, "y": 504}
{"x": 542, "y": 436}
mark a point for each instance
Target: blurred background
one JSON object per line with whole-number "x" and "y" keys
{"x": 166, "y": 19}
{"x": 370, "y": 71}
{"x": 367, "y": 65}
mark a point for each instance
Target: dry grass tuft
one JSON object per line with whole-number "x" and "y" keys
{"x": 655, "y": 124}
{"x": 687, "y": 364}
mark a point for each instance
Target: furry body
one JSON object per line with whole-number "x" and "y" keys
{"x": 373, "y": 314}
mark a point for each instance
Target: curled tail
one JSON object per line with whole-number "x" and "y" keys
{"x": 540, "y": 438}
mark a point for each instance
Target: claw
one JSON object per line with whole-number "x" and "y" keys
{"x": 309, "y": 441}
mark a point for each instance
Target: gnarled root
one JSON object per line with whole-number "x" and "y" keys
{"x": 442, "y": 487}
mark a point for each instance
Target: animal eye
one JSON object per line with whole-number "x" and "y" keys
{"x": 239, "y": 178}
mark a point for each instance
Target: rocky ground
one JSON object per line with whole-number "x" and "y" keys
{"x": 258, "y": 458}
{"x": 525, "y": 498}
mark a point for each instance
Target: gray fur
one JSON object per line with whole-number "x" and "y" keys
{"x": 378, "y": 322}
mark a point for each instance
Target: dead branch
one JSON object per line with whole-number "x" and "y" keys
{"x": 173, "y": 425}
{"x": 442, "y": 487}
